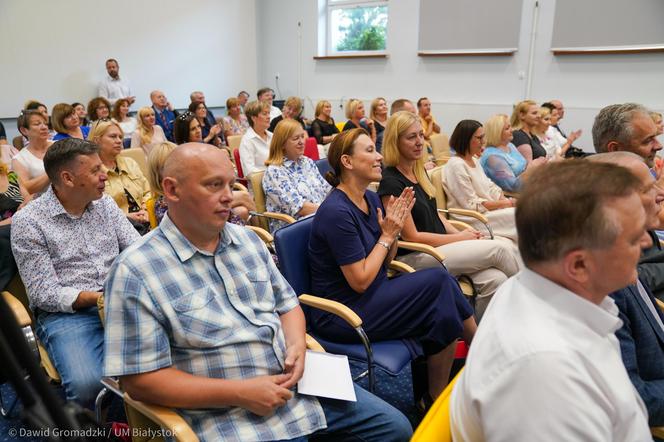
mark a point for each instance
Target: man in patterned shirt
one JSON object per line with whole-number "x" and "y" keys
{"x": 64, "y": 243}
{"x": 199, "y": 318}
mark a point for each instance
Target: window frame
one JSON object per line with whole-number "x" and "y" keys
{"x": 332, "y": 5}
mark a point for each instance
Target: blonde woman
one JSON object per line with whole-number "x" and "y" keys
{"x": 323, "y": 127}
{"x": 126, "y": 184}
{"x": 292, "y": 183}
{"x": 524, "y": 121}
{"x": 357, "y": 118}
{"x": 488, "y": 262}
{"x": 292, "y": 110}
{"x": 148, "y": 133}
{"x": 378, "y": 113}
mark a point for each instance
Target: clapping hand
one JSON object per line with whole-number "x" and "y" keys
{"x": 396, "y": 212}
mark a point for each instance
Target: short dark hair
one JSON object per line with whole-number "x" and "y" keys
{"x": 23, "y": 120}
{"x": 262, "y": 90}
{"x": 63, "y": 152}
{"x": 243, "y": 93}
{"x": 34, "y": 105}
{"x": 554, "y": 217}
{"x": 398, "y": 105}
{"x": 549, "y": 106}
{"x": 462, "y": 135}
{"x": 95, "y": 104}
{"x": 113, "y": 60}
{"x": 419, "y": 102}
{"x": 181, "y": 127}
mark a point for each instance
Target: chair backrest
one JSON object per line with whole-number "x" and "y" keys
{"x": 126, "y": 143}
{"x": 436, "y": 175}
{"x": 323, "y": 166}
{"x": 436, "y": 425}
{"x": 256, "y": 184}
{"x": 440, "y": 145}
{"x": 137, "y": 154}
{"x": 292, "y": 246}
{"x": 238, "y": 164}
{"x": 311, "y": 148}
{"x": 234, "y": 141}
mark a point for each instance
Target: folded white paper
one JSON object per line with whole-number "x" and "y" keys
{"x": 327, "y": 375}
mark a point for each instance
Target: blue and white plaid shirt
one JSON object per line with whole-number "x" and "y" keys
{"x": 213, "y": 315}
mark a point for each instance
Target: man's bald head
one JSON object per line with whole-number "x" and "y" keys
{"x": 188, "y": 159}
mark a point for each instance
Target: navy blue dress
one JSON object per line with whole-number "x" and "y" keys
{"x": 427, "y": 305}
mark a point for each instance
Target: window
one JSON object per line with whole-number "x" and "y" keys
{"x": 355, "y": 27}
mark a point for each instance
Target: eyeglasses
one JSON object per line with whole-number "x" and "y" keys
{"x": 185, "y": 116}
{"x": 479, "y": 137}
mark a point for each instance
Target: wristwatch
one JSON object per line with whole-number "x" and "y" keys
{"x": 384, "y": 244}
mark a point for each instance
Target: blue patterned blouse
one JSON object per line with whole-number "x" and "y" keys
{"x": 289, "y": 186}
{"x": 504, "y": 168}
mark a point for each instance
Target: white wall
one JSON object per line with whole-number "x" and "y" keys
{"x": 459, "y": 87}
{"x": 54, "y": 51}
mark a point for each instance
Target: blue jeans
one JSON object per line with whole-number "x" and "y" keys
{"x": 368, "y": 419}
{"x": 75, "y": 344}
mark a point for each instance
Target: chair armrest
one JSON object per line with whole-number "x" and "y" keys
{"x": 471, "y": 213}
{"x": 660, "y": 304}
{"x": 424, "y": 248}
{"x": 278, "y": 216}
{"x": 511, "y": 194}
{"x": 460, "y": 224}
{"x": 313, "y": 344}
{"x": 20, "y": 312}
{"x": 263, "y": 234}
{"x": 333, "y": 307}
{"x": 401, "y": 267}
{"x": 238, "y": 186}
{"x": 166, "y": 418}
{"x": 100, "y": 309}
{"x": 657, "y": 432}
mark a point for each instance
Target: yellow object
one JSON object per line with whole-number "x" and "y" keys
{"x": 436, "y": 424}
{"x": 137, "y": 154}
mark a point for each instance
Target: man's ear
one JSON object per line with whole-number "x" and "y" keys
{"x": 67, "y": 178}
{"x": 575, "y": 266}
{"x": 613, "y": 146}
{"x": 170, "y": 187}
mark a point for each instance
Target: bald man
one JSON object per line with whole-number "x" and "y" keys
{"x": 200, "y": 319}
{"x": 164, "y": 113}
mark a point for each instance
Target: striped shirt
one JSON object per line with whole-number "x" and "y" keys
{"x": 209, "y": 314}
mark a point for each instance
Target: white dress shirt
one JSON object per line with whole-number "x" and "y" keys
{"x": 254, "y": 151}
{"x": 114, "y": 88}
{"x": 545, "y": 365}
{"x": 274, "y": 112}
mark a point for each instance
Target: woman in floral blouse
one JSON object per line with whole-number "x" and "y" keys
{"x": 292, "y": 183}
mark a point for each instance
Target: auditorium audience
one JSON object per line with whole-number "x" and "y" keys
{"x": 121, "y": 115}
{"x": 164, "y": 113}
{"x": 357, "y": 118}
{"x": 211, "y": 133}
{"x": 524, "y": 120}
{"x": 628, "y": 127}
{"x": 487, "y": 262}
{"x": 235, "y": 123}
{"x": 36, "y": 105}
{"x": 237, "y": 381}
{"x": 81, "y": 112}
{"x": 187, "y": 129}
{"x": 148, "y": 133}
{"x": 255, "y": 144}
{"x": 545, "y": 364}
{"x": 113, "y": 87}
{"x": 541, "y": 131}
{"x": 125, "y": 181}
{"x": 562, "y": 143}
{"x": 429, "y": 124}
{"x": 352, "y": 239}
{"x": 99, "y": 108}
{"x": 66, "y": 123}
{"x": 501, "y": 160}
{"x": 266, "y": 95}
{"x": 561, "y": 113}
{"x": 29, "y": 162}
{"x": 467, "y": 187}
{"x": 292, "y": 182}
{"x": 642, "y": 333}
{"x": 291, "y": 110}
{"x": 64, "y": 243}
{"x": 323, "y": 127}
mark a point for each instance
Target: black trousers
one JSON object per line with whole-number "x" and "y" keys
{"x": 7, "y": 264}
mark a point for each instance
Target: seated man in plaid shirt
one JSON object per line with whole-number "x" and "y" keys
{"x": 199, "y": 318}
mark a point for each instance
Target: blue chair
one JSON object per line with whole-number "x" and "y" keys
{"x": 126, "y": 143}
{"x": 323, "y": 166}
{"x": 292, "y": 246}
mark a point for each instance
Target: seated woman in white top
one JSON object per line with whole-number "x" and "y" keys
{"x": 554, "y": 138}
{"x": 29, "y": 162}
{"x": 292, "y": 182}
{"x": 467, "y": 187}
{"x": 121, "y": 116}
{"x": 255, "y": 144}
{"x": 148, "y": 133}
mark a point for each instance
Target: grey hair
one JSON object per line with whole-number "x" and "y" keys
{"x": 614, "y": 123}
{"x": 620, "y": 157}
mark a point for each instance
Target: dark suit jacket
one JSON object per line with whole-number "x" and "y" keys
{"x": 651, "y": 267}
{"x": 642, "y": 347}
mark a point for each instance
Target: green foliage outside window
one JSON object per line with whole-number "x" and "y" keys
{"x": 363, "y": 29}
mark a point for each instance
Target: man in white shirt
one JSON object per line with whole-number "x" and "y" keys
{"x": 113, "y": 87}
{"x": 266, "y": 95}
{"x": 545, "y": 363}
